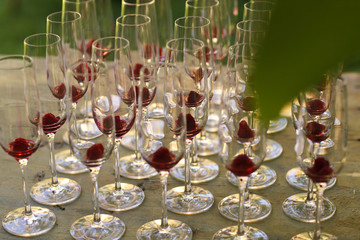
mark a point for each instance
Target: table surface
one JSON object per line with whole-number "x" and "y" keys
{"x": 345, "y": 194}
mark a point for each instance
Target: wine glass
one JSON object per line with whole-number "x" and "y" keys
{"x": 112, "y": 55}
{"x": 47, "y": 54}
{"x": 243, "y": 150}
{"x": 137, "y": 29}
{"x": 258, "y": 10}
{"x": 20, "y": 136}
{"x": 164, "y": 151}
{"x": 320, "y": 165}
{"x": 202, "y": 170}
{"x": 67, "y": 25}
{"x": 93, "y": 152}
{"x": 188, "y": 55}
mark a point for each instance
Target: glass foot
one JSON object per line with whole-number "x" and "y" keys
{"x": 296, "y": 208}
{"x": 273, "y": 150}
{"x": 212, "y": 124}
{"x": 66, "y": 191}
{"x": 256, "y": 208}
{"x": 309, "y": 236}
{"x": 205, "y": 171}
{"x": 277, "y": 125}
{"x": 262, "y": 178}
{"x": 132, "y": 169}
{"x": 128, "y": 198}
{"x": 108, "y": 228}
{"x": 298, "y": 179}
{"x": 39, "y": 222}
{"x": 128, "y": 141}
{"x": 68, "y": 164}
{"x": 200, "y": 200}
{"x": 208, "y": 146}
{"x": 230, "y": 233}
{"x": 175, "y": 230}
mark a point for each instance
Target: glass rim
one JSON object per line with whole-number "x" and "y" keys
{"x": 57, "y": 39}
{"x": 238, "y": 25}
{"x": 25, "y": 58}
{"x": 148, "y": 20}
{"x": 76, "y": 14}
{"x": 78, "y": 1}
{"x": 206, "y": 23}
{"x": 246, "y": 6}
{"x": 231, "y": 49}
{"x": 137, "y": 4}
{"x": 201, "y": 43}
{"x": 127, "y": 43}
{"x": 187, "y": 3}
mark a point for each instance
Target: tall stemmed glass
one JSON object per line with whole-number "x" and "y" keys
{"x": 67, "y": 25}
{"x": 188, "y": 55}
{"x": 163, "y": 151}
{"x": 137, "y": 29}
{"x": 201, "y": 170}
{"x": 112, "y": 55}
{"x": 93, "y": 153}
{"x": 320, "y": 165}
{"x": 47, "y": 53}
{"x": 243, "y": 150}
{"x": 20, "y": 136}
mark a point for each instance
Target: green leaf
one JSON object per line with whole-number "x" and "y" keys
{"x": 305, "y": 39}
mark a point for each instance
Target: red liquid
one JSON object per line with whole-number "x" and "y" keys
{"x": 320, "y": 171}
{"x": 248, "y": 104}
{"x": 148, "y": 52}
{"x": 196, "y": 74}
{"x": 162, "y": 159}
{"x": 94, "y": 155}
{"x": 59, "y": 91}
{"x": 316, "y": 107}
{"x": 316, "y": 132}
{"x": 21, "y": 148}
{"x": 241, "y": 166}
{"x": 193, "y": 99}
{"x": 192, "y": 128}
{"x": 83, "y": 70}
{"x": 245, "y": 134}
{"x": 121, "y": 125}
{"x": 137, "y": 69}
{"x": 129, "y": 97}
{"x": 51, "y": 124}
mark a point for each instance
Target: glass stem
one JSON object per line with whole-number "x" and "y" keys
{"x": 241, "y": 220}
{"x": 310, "y": 192}
{"x": 117, "y": 166}
{"x": 94, "y": 178}
{"x": 320, "y": 188}
{"x": 137, "y": 160}
{"x": 163, "y": 180}
{"x": 23, "y": 166}
{"x": 187, "y": 167}
{"x": 194, "y": 156}
{"x": 54, "y": 177}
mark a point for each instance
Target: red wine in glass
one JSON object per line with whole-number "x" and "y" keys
{"x": 162, "y": 159}
{"x": 321, "y": 171}
{"x": 248, "y": 104}
{"x": 122, "y": 124}
{"x": 192, "y": 128}
{"x": 316, "y": 107}
{"x": 193, "y": 99}
{"x": 316, "y": 132}
{"x": 241, "y": 165}
{"x": 94, "y": 156}
{"x": 51, "y": 124}
{"x": 21, "y": 148}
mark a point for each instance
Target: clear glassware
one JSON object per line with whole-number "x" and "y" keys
{"x": 137, "y": 29}
{"x": 46, "y": 51}
{"x": 93, "y": 152}
{"x": 201, "y": 170}
{"x": 112, "y": 55}
{"x": 68, "y": 26}
{"x": 243, "y": 150}
{"x": 187, "y": 54}
{"x": 258, "y": 10}
{"x": 163, "y": 151}
{"x": 20, "y": 136}
{"x": 320, "y": 165}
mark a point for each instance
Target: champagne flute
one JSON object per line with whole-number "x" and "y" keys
{"x": 67, "y": 25}
{"x": 164, "y": 151}
{"x": 258, "y": 10}
{"x": 20, "y": 137}
{"x": 112, "y": 55}
{"x": 47, "y": 52}
{"x": 137, "y": 29}
{"x": 93, "y": 152}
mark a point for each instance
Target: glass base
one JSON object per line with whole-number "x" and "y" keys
{"x": 262, "y": 178}
{"x": 68, "y": 164}
{"x": 66, "y": 191}
{"x": 230, "y": 233}
{"x": 128, "y": 198}
{"x": 298, "y": 179}
{"x": 208, "y": 146}
{"x": 132, "y": 169}
{"x": 212, "y": 124}
{"x": 200, "y": 200}
{"x": 309, "y": 236}
{"x": 108, "y": 228}
{"x": 128, "y": 141}
{"x": 156, "y": 110}
{"x": 39, "y": 222}
{"x": 256, "y": 208}
{"x": 295, "y": 208}
{"x": 277, "y": 125}
{"x": 273, "y": 150}
{"x": 205, "y": 171}
{"x": 175, "y": 230}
